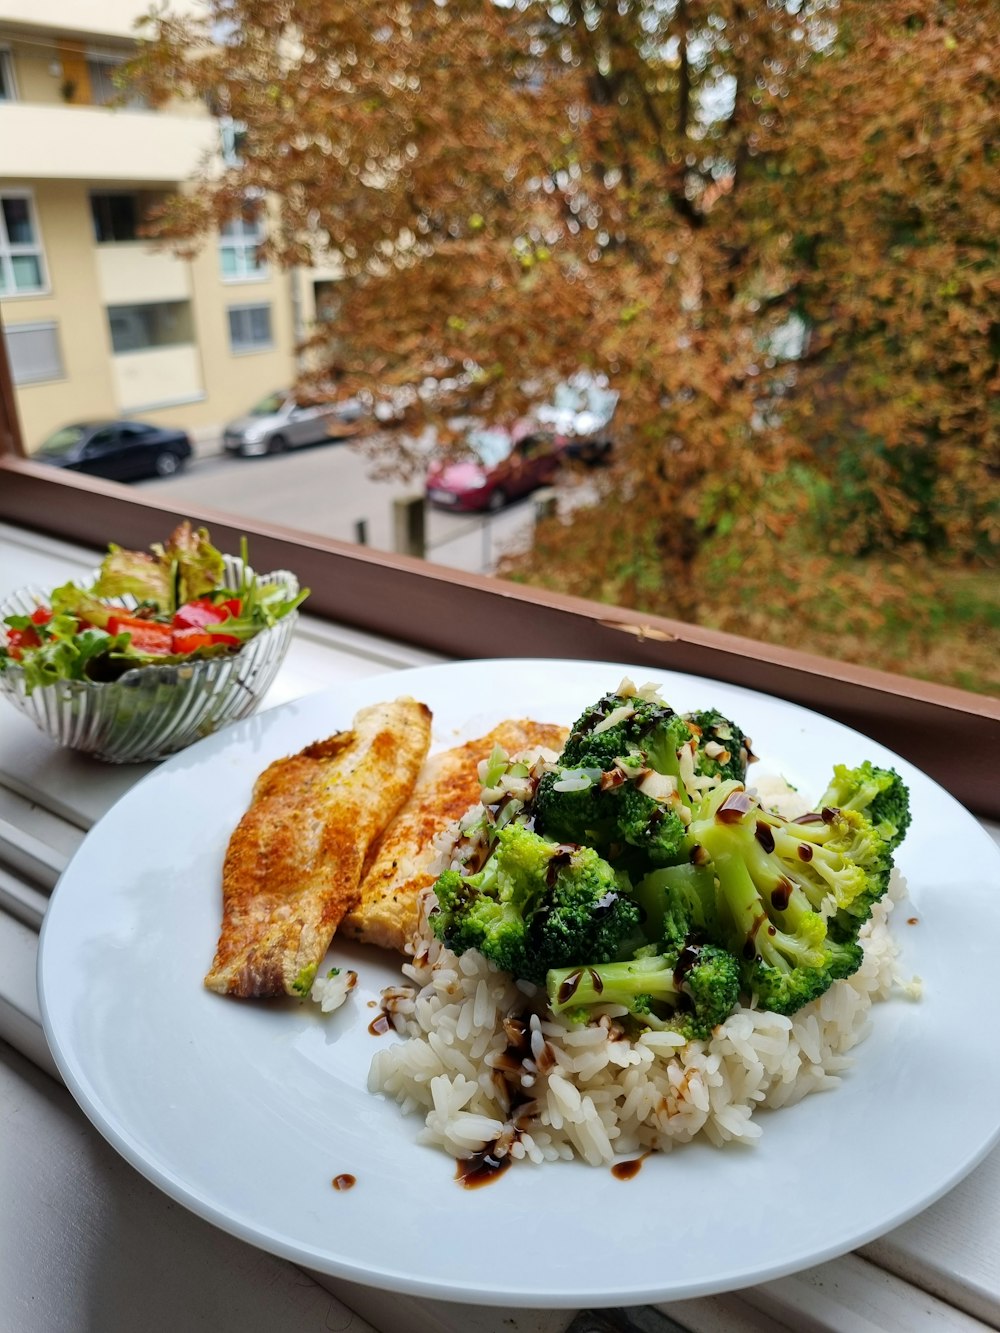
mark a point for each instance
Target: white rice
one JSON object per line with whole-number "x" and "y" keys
{"x": 589, "y": 1092}
{"x": 331, "y": 991}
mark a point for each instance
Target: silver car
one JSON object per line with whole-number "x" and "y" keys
{"x": 279, "y": 422}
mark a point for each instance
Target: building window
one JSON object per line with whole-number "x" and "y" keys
{"x": 327, "y": 299}
{"x": 240, "y": 240}
{"x": 22, "y": 266}
{"x": 33, "y": 350}
{"x": 250, "y": 328}
{"x": 139, "y": 328}
{"x": 8, "y": 91}
{"x": 116, "y": 217}
{"x": 232, "y": 136}
{"x": 119, "y": 216}
{"x": 102, "y": 71}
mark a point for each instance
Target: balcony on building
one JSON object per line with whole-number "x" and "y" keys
{"x": 98, "y": 143}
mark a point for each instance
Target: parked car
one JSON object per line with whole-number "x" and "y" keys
{"x": 119, "y": 450}
{"x": 279, "y": 422}
{"x": 505, "y": 464}
{"x": 580, "y": 415}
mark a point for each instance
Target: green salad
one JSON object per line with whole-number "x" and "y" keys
{"x": 163, "y": 606}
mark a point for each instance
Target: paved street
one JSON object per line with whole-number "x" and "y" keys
{"x": 327, "y": 490}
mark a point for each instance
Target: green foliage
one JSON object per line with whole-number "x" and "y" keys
{"x": 881, "y": 498}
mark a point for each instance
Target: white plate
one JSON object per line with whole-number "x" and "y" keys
{"x": 245, "y": 1111}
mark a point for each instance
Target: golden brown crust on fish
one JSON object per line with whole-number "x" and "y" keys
{"x": 386, "y": 914}
{"x": 295, "y": 860}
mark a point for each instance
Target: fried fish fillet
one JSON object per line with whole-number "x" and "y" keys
{"x": 387, "y": 912}
{"x": 295, "y": 860}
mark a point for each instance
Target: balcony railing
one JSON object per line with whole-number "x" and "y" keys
{"x": 110, "y": 18}
{"x": 133, "y": 271}
{"x": 44, "y": 142}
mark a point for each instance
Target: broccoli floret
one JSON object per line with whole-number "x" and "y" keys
{"x": 722, "y": 750}
{"x": 766, "y": 918}
{"x": 536, "y": 905}
{"x": 880, "y": 792}
{"x": 584, "y": 807}
{"x": 472, "y": 913}
{"x": 784, "y": 992}
{"x": 678, "y": 903}
{"x": 691, "y": 991}
{"x": 646, "y": 730}
{"x": 838, "y": 858}
{"x": 619, "y": 781}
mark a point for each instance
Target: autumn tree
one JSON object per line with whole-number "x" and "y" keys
{"x": 771, "y": 223}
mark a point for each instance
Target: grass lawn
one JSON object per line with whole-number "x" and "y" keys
{"x": 907, "y": 614}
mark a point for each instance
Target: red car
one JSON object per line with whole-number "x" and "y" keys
{"x": 504, "y": 465}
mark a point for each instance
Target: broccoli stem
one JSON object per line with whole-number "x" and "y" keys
{"x": 745, "y": 912}
{"x": 613, "y": 983}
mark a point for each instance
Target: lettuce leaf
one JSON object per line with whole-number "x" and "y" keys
{"x": 149, "y": 578}
{"x": 69, "y": 600}
{"x": 199, "y": 567}
{"x": 66, "y": 651}
{"x": 75, "y": 643}
{"x": 167, "y": 576}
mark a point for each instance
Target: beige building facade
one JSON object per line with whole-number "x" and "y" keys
{"x": 99, "y": 323}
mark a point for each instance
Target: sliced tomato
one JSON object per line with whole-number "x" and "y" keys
{"x": 189, "y": 640}
{"x": 41, "y": 615}
{"x": 19, "y": 639}
{"x": 193, "y": 615}
{"x": 148, "y": 636}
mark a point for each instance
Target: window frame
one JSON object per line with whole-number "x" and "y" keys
{"x": 231, "y": 132}
{"x": 189, "y": 341}
{"x": 250, "y": 348}
{"x": 8, "y": 73}
{"x": 10, "y": 249}
{"x": 36, "y": 326}
{"x": 954, "y": 735}
{"x": 98, "y": 197}
{"x": 241, "y": 246}
{"x": 94, "y": 56}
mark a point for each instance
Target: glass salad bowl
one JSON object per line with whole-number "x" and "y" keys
{"x": 153, "y": 710}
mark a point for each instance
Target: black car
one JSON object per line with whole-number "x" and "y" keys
{"x": 119, "y": 450}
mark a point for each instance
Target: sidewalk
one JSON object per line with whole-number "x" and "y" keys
{"x": 206, "y": 441}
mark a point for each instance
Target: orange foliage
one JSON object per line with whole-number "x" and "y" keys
{"x": 664, "y": 192}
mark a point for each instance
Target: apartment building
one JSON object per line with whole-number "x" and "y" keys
{"x": 98, "y": 321}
